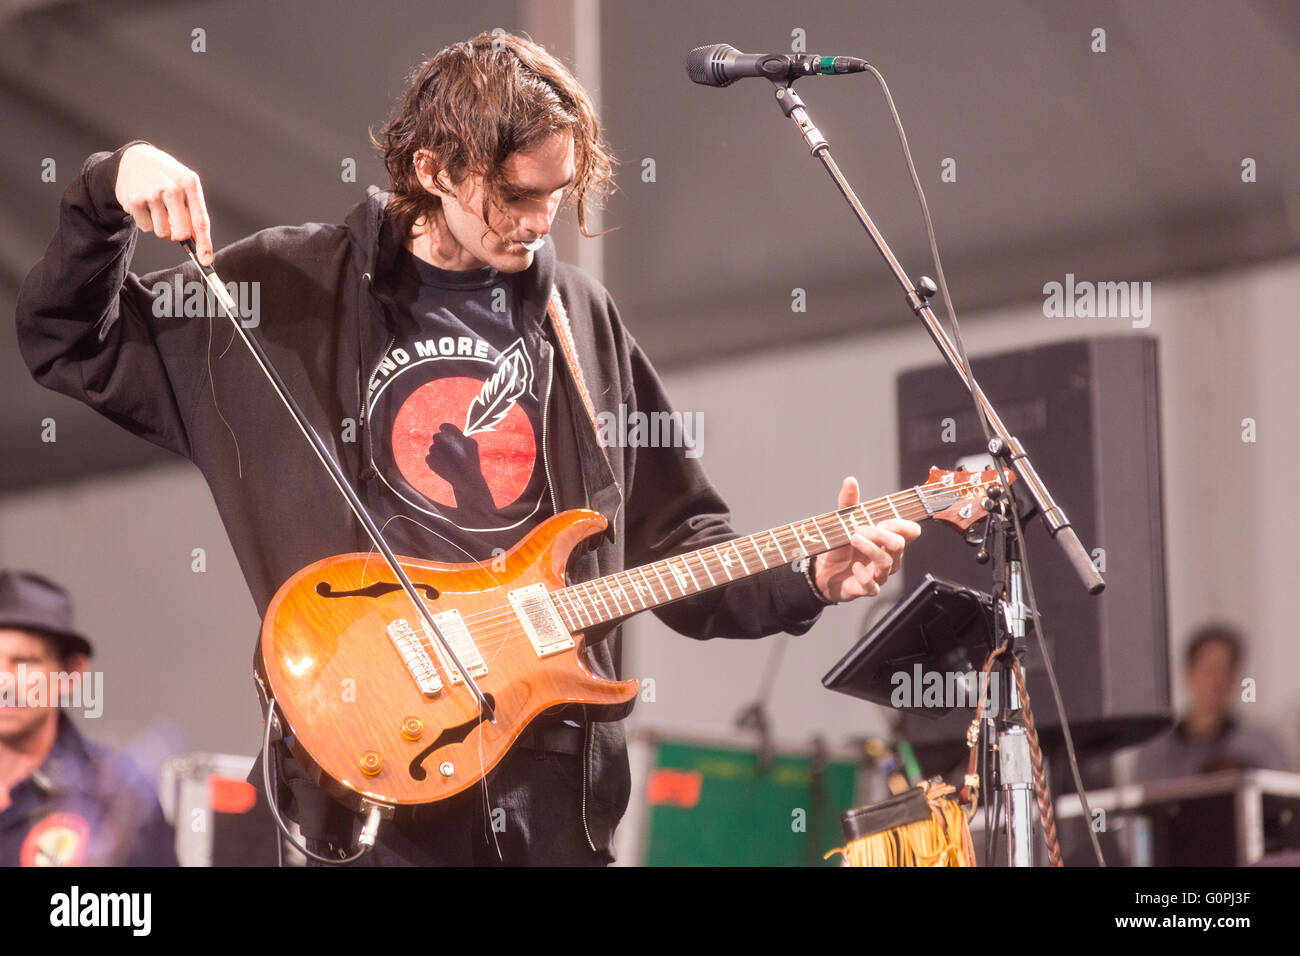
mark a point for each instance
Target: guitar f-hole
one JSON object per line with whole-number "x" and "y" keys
{"x": 452, "y": 735}
{"x": 326, "y": 590}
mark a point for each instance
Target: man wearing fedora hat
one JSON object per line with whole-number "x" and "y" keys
{"x": 63, "y": 800}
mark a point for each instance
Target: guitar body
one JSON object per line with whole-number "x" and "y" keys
{"x": 380, "y": 713}
{"x": 361, "y": 721}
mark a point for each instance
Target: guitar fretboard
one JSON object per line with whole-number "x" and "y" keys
{"x": 650, "y": 585}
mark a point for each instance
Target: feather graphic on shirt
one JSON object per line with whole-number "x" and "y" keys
{"x": 503, "y": 388}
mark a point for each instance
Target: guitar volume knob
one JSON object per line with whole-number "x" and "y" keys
{"x": 371, "y": 763}
{"x": 412, "y": 728}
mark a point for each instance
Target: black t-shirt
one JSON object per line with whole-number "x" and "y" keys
{"x": 455, "y": 410}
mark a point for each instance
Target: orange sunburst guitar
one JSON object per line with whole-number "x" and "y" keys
{"x": 377, "y": 713}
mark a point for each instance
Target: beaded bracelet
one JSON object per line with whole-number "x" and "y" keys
{"x": 804, "y": 566}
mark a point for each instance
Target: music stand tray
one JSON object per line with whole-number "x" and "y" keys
{"x": 941, "y": 626}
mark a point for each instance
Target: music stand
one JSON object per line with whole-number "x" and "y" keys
{"x": 940, "y": 627}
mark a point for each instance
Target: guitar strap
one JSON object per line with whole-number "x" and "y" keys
{"x": 560, "y": 322}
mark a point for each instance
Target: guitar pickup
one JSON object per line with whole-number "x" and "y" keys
{"x": 452, "y": 626}
{"x": 540, "y": 620}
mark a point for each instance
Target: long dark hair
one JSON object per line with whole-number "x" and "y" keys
{"x": 475, "y": 103}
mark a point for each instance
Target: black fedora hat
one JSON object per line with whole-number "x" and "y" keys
{"x": 29, "y": 602}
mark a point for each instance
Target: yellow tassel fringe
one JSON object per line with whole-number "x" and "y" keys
{"x": 943, "y": 840}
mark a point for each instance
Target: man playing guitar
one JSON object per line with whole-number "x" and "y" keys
{"x": 456, "y": 371}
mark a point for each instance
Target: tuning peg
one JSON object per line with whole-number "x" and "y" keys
{"x": 982, "y": 555}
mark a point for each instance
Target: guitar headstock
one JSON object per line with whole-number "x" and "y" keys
{"x": 957, "y": 497}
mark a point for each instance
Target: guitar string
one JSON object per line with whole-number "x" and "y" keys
{"x": 499, "y": 624}
{"x": 574, "y": 591}
{"x": 487, "y": 618}
{"x": 491, "y": 622}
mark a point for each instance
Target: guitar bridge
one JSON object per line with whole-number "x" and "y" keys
{"x": 540, "y": 620}
{"x": 415, "y": 657}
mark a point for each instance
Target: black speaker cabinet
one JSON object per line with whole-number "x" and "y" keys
{"x": 1088, "y": 414}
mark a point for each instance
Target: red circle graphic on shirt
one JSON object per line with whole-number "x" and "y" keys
{"x": 506, "y": 449}
{"x": 58, "y": 840}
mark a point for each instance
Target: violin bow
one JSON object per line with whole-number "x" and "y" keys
{"x": 349, "y": 494}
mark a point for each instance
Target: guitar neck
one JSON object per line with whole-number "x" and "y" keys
{"x": 661, "y": 582}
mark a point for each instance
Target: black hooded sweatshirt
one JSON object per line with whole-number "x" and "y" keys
{"x": 88, "y": 327}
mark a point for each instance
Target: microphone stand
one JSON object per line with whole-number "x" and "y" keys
{"x": 1014, "y": 766}
{"x": 1004, "y": 446}
{"x": 1014, "y": 770}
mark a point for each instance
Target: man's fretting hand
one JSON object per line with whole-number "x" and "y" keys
{"x": 164, "y": 197}
{"x": 873, "y": 553}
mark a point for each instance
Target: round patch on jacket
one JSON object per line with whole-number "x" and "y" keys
{"x": 58, "y": 840}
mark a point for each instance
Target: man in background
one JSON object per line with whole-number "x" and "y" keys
{"x": 63, "y": 801}
{"x": 1209, "y": 737}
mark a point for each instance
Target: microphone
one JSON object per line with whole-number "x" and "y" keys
{"x": 721, "y": 64}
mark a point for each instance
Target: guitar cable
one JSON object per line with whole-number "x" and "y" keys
{"x": 267, "y": 757}
{"x": 960, "y": 347}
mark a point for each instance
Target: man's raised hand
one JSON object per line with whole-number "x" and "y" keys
{"x": 164, "y": 197}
